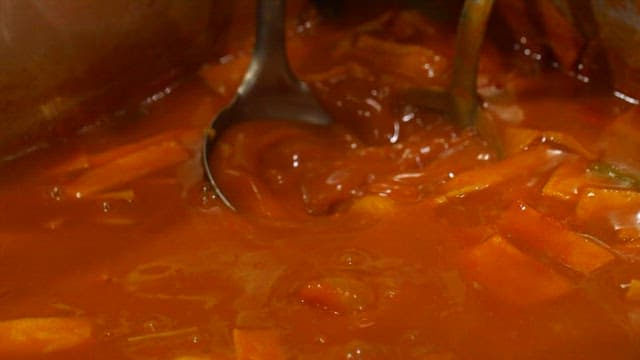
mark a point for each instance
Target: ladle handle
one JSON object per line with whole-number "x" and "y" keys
{"x": 469, "y": 37}
{"x": 269, "y": 67}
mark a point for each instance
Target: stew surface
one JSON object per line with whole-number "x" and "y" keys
{"x": 390, "y": 234}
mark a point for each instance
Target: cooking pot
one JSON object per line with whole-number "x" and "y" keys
{"x": 65, "y": 62}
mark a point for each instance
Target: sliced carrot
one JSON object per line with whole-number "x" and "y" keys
{"x": 340, "y": 72}
{"x": 600, "y": 202}
{"x": 257, "y": 345}
{"x": 568, "y": 179}
{"x": 517, "y": 139}
{"x": 184, "y": 137}
{"x": 127, "y": 168}
{"x": 539, "y": 159}
{"x": 337, "y": 295}
{"x": 189, "y": 138}
{"x": 125, "y": 195}
{"x": 35, "y": 336}
{"x": 565, "y": 181}
{"x": 615, "y": 210}
{"x": 373, "y": 205}
{"x": 568, "y": 141}
{"x": 537, "y": 232}
{"x": 77, "y": 162}
{"x": 512, "y": 276}
{"x": 410, "y": 61}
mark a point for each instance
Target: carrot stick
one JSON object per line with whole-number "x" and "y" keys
{"x": 537, "y": 232}
{"x": 189, "y": 138}
{"x": 339, "y": 295}
{"x": 606, "y": 210}
{"x": 127, "y": 168}
{"x": 512, "y": 276}
{"x": 257, "y": 345}
{"x": 77, "y": 162}
{"x": 517, "y": 139}
{"x": 182, "y": 136}
{"x": 35, "y": 336}
{"x": 538, "y": 159}
{"x": 567, "y": 141}
{"x": 411, "y": 61}
{"x": 568, "y": 179}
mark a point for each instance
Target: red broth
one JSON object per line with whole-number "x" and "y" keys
{"x": 390, "y": 234}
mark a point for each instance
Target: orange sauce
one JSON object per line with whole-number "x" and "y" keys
{"x": 390, "y": 234}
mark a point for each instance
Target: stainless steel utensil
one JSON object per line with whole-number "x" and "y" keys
{"x": 269, "y": 90}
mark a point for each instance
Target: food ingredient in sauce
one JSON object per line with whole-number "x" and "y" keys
{"x": 391, "y": 234}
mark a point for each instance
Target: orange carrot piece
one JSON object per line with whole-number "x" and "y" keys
{"x": 36, "y": 336}
{"x": 538, "y": 159}
{"x": 595, "y": 203}
{"x": 568, "y": 141}
{"x": 127, "y": 168}
{"x": 411, "y": 61}
{"x": 257, "y": 345}
{"x": 77, "y": 162}
{"x": 337, "y": 295}
{"x": 535, "y": 231}
{"x": 341, "y": 72}
{"x": 189, "y": 138}
{"x": 568, "y": 179}
{"x": 615, "y": 210}
{"x": 183, "y": 136}
{"x": 512, "y": 276}
{"x": 517, "y": 139}
{"x": 565, "y": 181}
{"x": 373, "y": 205}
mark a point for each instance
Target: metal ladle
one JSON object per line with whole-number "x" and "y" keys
{"x": 270, "y": 90}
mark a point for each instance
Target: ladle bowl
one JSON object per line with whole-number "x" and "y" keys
{"x": 269, "y": 90}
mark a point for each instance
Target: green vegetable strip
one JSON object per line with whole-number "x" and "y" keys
{"x": 612, "y": 172}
